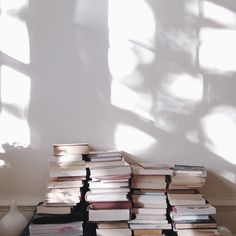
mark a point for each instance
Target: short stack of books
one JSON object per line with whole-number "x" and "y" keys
{"x": 63, "y": 209}
{"x": 149, "y": 199}
{"x": 189, "y": 210}
{"x": 108, "y": 195}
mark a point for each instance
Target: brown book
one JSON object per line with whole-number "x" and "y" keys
{"x": 146, "y": 232}
{"x": 111, "y": 205}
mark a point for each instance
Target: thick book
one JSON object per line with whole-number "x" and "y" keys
{"x": 150, "y": 169}
{"x": 78, "y": 213}
{"x": 120, "y": 170}
{"x": 101, "y": 154}
{"x": 196, "y": 224}
{"x": 111, "y": 205}
{"x": 67, "y": 171}
{"x": 109, "y": 215}
{"x": 114, "y": 232}
{"x": 105, "y": 197}
{"x": 70, "y": 149}
{"x": 143, "y": 232}
{"x": 57, "y": 210}
{"x": 113, "y": 225}
{"x": 205, "y": 209}
{"x": 149, "y": 211}
{"x": 70, "y": 228}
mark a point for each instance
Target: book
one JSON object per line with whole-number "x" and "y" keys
{"x": 150, "y": 169}
{"x": 42, "y": 208}
{"x": 65, "y": 184}
{"x": 72, "y": 228}
{"x": 196, "y": 224}
{"x": 114, "y": 232}
{"x": 70, "y": 149}
{"x": 146, "y": 232}
{"x": 104, "y": 197}
{"x": 120, "y": 170}
{"x": 113, "y": 225}
{"x": 111, "y": 205}
{"x": 161, "y": 226}
{"x": 67, "y": 171}
{"x": 205, "y": 209}
{"x": 106, "y": 153}
{"x": 109, "y": 215}
{"x": 149, "y": 211}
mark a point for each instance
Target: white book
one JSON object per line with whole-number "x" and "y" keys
{"x": 109, "y": 215}
{"x": 149, "y": 211}
{"x": 110, "y": 190}
{"x": 67, "y": 171}
{"x": 206, "y": 209}
{"x": 148, "y": 221}
{"x": 150, "y": 226}
{"x": 113, "y": 232}
{"x": 124, "y": 170}
{"x": 97, "y": 185}
{"x": 105, "y": 197}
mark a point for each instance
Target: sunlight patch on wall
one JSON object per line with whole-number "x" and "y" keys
{"x": 11, "y": 6}
{"x": 15, "y": 88}
{"x": 132, "y": 19}
{"x": 218, "y": 14}
{"x": 15, "y": 97}
{"x": 14, "y": 40}
{"x": 185, "y": 87}
{"x": 132, "y": 140}
{"x": 217, "y": 50}
{"x": 131, "y": 44}
{"x": 128, "y": 99}
{"x": 219, "y": 130}
{"x": 2, "y": 163}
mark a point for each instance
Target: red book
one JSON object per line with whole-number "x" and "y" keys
{"x": 111, "y": 205}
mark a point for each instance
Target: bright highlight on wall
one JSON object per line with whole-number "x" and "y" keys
{"x": 131, "y": 43}
{"x": 2, "y": 163}
{"x": 216, "y": 50}
{"x": 15, "y": 97}
{"x": 185, "y": 87}
{"x": 14, "y": 40}
{"x": 13, "y": 6}
{"x": 132, "y": 140}
{"x": 219, "y": 14}
{"x": 127, "y": 98}
{"x": 219, "y": 129}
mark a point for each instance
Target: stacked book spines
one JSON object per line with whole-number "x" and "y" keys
{"x": 189, "y": 211}
{"x": 63, "y": 205}
{"x": 108, "y": 195}
{"x": 149, "y": 198}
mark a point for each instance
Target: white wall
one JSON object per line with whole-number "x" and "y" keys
{"x": 153, "y": 78}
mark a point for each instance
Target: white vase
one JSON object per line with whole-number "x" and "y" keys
{"x": 13, "y": 223}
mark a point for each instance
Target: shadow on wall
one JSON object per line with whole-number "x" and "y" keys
{"x": 122, "y": 74}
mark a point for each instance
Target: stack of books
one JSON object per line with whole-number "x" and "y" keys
{"x": 63, "y": 209}
{"x": 149, "y": 199}
{"x": 189, "y": 210}
{"x": 108, "y": 195}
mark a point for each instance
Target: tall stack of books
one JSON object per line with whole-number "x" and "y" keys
{"x": 189, "y": 210}
{"x": 63, "y": 209}
{"x": 108, "y": 195}
{"x": 149, "y": 199}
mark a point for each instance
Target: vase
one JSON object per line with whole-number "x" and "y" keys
{"x": 13, "y": 223}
